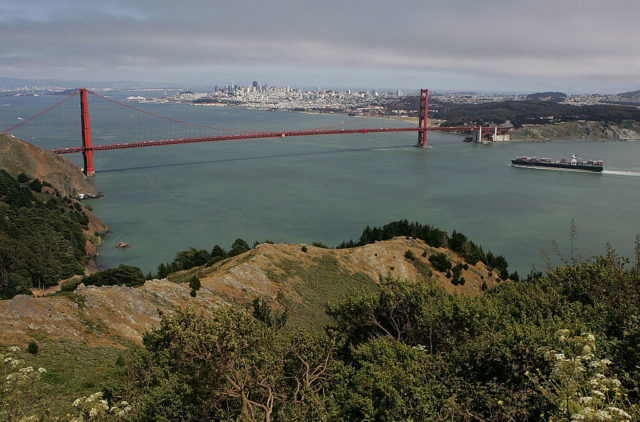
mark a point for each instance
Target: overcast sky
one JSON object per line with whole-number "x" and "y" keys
{"x": 481, "y": 45}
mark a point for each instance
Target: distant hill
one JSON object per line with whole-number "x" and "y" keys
{"x": 554, "y": 97}
{"x": 533, "y": 112}
{"x": 627, "y": 98}
{"x": 631, "y": 95}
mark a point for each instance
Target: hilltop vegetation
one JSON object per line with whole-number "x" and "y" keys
{"x": 532, "y": 112}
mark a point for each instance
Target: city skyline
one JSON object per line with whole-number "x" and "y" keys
{"x": 492, "y": 46}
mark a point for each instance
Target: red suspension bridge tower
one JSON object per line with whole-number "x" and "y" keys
{"x": 87, "y": 150}
{"x": 423, "y": 118}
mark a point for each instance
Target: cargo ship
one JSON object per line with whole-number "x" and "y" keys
{"x": 575, "y": 164}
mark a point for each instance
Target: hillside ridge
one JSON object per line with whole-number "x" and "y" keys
{"x": 281, "y": 274}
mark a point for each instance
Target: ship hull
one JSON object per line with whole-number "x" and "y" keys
{"x": 557, "y": 166}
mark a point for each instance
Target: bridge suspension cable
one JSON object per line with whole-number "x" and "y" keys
{"x": 118, "y": 125}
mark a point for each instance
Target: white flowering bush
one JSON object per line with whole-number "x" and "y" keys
{"x": 16, "y": 385}
{"x": 580, "y": 384}
{"x": 95, "y": 408}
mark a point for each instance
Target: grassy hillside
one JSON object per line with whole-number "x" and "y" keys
{"x": 297, "y": 279}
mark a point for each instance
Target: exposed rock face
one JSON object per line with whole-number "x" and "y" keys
{"x": 93, "y": 314}
{"x": 277, "y": 273}
{"x": 17, "y": 156}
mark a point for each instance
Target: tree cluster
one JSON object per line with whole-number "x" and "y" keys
{"x": 41, "y": 239}
{"x": 125, "y": 275}
{"x": 432, "y": 236}
{"x": 193, "y": 257}
{"x": 532, "y": 112}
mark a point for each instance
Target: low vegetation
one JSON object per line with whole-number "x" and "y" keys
{"x": 457, "y": 242}
{"x": 122, "y": 275}
{"x": 559, "y": 347}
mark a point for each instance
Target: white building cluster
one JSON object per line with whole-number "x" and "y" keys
{"x": 262, "y": 97}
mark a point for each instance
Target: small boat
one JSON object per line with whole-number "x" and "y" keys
{"x": 123, "y": 245}
{"x": 575, "y": 164}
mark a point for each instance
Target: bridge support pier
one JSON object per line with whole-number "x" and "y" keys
{"x": 87, "y": 149}
{"x": 423, "y": 119}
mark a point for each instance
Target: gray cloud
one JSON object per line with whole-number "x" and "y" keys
{"x": 569, "y": 44}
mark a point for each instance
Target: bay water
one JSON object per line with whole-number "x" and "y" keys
{"x": 328, "y": 188}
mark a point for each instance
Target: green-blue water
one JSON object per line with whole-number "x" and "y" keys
{"x": 328, "y": 188}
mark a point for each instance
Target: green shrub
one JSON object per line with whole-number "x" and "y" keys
{"x": 409, "y": 255}
{"x": 194, "y": 283}
{"x": 320, "y": 245}
{"x": 32, "y": 347}
{"x": 457, "y": 272}
{"x": 214, "y": 260}
{"x": 440, "y": 262}
{"x": 504, "y": 275}
{"x": 219, "y": 251}
{"x": 238, "y": 247}
{"x": 121, "y": 275}
{"x": 23, "y": 178}
{"x": 304, "y": 249}
{"x": 70, "y": 285}
{"x": 35, "y": 185}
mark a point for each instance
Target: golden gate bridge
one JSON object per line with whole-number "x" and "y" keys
{"x": 161, "y": 130}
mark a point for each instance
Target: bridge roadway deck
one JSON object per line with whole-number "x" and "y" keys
{"x": 260, "y": 135}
